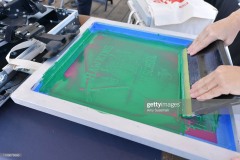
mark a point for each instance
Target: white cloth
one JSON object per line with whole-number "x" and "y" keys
{"x": 166, "y": 12}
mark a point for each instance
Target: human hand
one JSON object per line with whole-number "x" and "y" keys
{"x": 236, "y": 158}
{"x": 225, "y": 30}
{"x": 224, "y": 80}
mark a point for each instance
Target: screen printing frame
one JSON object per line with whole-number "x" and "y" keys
{"x": 154, "y": 137}
{"x": 70, "y": 19}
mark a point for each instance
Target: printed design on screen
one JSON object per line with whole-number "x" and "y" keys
{"x": 115, "y": 71}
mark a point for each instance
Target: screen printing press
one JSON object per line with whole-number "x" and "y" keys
{"x": 111, "y": 74}
{"x": 30, "y": 31}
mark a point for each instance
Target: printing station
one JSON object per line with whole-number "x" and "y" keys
{"x": 122, "y": 80}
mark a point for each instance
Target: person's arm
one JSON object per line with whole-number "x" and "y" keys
{"x": 225, "y": 30}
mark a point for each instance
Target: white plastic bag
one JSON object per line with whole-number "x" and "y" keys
{"x": 188, "y": 16}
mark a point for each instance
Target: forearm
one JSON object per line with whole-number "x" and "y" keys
{"x": 235, "y": 16}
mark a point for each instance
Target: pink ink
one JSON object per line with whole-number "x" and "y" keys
{"x": 172, "y": 58}
{"x": 72, "y": 71}
{"x": 100, "y": 37}
{"x": 205, "y": 135}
